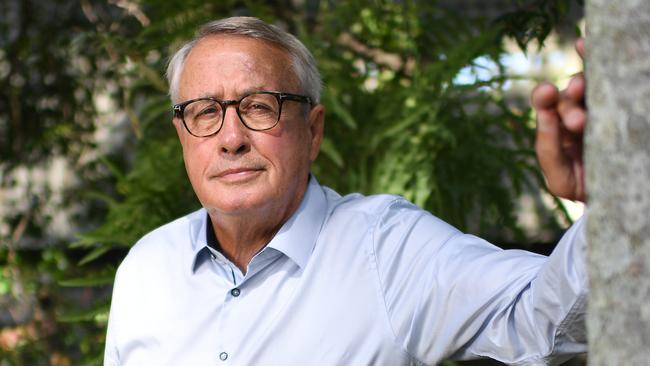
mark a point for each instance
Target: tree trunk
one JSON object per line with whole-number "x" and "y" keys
{"x": 618, "y": 181}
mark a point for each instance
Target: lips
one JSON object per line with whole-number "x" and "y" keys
{"x": 238, "y": 175}
{"x": 236, "y": 171}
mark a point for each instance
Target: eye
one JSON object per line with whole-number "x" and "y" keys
{"x": 208, "y": 111}
{"x": 205, "y": 111}
{"x": 257, "y": 106}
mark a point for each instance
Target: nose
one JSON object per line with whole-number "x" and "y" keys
{"x": 233, "y": 137}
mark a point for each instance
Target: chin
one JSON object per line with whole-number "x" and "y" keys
{"x": 229, "y": 203}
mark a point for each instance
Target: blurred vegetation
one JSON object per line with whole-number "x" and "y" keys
{"x": 399, "y": 121}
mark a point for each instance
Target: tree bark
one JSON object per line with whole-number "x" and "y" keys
{"x": 618, "y": 181}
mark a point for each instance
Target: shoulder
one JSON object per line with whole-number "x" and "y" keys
{"x": 387, "y": 212}
{"x": 172, "y": 234}
{"x": 165, "y": 243}
{"x": 357, "y": 203}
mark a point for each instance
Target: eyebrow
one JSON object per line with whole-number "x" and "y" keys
{"x": 240, "y": 94}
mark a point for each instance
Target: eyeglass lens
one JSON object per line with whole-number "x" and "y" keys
{"x": 258, "y": 112}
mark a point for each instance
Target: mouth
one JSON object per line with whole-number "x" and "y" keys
{"x": 238, "y": 175}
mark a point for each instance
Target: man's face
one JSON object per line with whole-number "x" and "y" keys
{"x": 239, "y": 171}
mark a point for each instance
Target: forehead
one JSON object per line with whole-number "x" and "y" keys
{"x": 227, "y": 66}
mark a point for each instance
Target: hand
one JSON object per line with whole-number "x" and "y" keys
{"x": 561, "y": 120}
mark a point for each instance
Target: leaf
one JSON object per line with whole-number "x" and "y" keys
{"x": 91, "y": 281}
{"x": 100, "y": 309}
{"x": 328, "y": 148}
{"x": 393, "y": 130}
{"x": 100, "y": 196}
{"x": 94, "y": 254}
{"x": 117, "y": 173}
{"x": 153, "y": 76}
{"x": 335, "y": 105}
{"x": 98, "y": 360}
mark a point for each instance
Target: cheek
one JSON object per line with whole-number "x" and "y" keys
{"x": 294, "y": 154}
{"x": 196, "y": 156}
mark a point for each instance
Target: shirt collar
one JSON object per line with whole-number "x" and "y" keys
{"x": 198, "y": 229}
{"x": 295, "y": 239}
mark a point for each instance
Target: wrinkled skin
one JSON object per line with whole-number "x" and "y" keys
{"x": 249, "y": 181}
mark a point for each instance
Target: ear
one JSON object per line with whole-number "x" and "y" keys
{"x": 178, "y": 125}
{"x": 316, "y": 126}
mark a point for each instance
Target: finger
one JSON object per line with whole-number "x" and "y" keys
{"x": 549, "y": 141}
{"x": 573, "y": 116}
{"x": 576, "y": 89}
{"x": 545, "y": 96}
{"x": 574, "y": 120}
{"x": 580, "y": 47}
{"x": 571, "y": 106}
{"x": 550, "y": 146}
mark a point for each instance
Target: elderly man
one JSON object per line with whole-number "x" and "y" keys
{"x": 276, "y": 269}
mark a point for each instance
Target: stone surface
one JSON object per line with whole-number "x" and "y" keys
{"x": 618, "y": 181}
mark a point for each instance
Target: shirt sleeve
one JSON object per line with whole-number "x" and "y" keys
{"x": 124, "y": 306}
{"x": 453, "y": 295}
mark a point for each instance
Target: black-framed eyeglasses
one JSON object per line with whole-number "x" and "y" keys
{"x": 258, "y": 111}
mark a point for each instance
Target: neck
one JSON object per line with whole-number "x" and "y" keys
{"x": 239, "y": 240}
{"x": 241, "y": 236}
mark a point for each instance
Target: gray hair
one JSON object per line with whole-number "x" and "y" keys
{"x": 304, "y": 63}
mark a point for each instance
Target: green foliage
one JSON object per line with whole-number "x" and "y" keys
{"x": 408, "y": 127}
{"x": 415, "y": 106}
{"x": 534, "y": 20}
{"x": 154, "y": 191}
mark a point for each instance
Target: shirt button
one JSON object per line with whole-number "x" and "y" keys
{"x": 235, "y": 292}
{"x": 223, "y": 356}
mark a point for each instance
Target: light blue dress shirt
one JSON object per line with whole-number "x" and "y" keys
{"x": 347, "y": 280}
